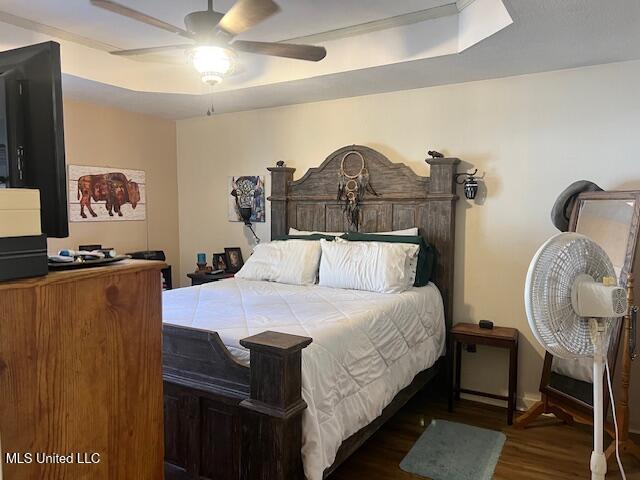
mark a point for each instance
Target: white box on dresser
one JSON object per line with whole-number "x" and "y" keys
{"x": 19, "y": 212}
{"x": 23, "y": 247}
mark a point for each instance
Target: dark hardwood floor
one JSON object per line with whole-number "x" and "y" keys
{"x": 547, "y": 450}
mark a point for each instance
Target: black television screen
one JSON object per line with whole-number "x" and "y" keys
{"x": 31, "y": 130}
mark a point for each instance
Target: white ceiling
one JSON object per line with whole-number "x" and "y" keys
{"x": 86, "y": 34}
{"x": 297, "y": 18}
{"x": 545, "y": 35}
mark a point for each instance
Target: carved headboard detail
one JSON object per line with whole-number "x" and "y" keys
{"x": 404, "y": 200}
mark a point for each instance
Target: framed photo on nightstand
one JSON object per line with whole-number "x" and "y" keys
{"x": 219, "y": 261}
{"x": 234, "y": 259}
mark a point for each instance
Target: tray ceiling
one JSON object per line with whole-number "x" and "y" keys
{"x": 298, "y": 17}
{"x": 485, "y": 40}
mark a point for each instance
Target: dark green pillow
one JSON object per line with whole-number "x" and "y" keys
{"x": 313, "y": 236}
{"x": 426, "y": 254}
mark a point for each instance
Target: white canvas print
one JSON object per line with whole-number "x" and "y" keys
{"x": 106, "y": 194}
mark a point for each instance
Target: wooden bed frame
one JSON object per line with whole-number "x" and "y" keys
{"x": 224, "y": 420}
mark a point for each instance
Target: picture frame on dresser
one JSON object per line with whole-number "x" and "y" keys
{"x": 234, "y": 260}
{"x": 219, "y": 261}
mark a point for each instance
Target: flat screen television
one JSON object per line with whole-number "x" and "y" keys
{"x": 31, "y": 130}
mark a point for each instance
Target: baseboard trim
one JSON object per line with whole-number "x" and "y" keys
{"x": 522, "y": 402}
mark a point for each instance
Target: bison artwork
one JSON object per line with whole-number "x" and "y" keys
{"x": 115, "y": 189}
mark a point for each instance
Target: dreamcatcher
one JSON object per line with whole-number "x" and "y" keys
{"x": 353, "y": 183}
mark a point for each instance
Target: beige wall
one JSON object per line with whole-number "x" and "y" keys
{"x": 530, "y": 136}
{"x": 104, "y": 136}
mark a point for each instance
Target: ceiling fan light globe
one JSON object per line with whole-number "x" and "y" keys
{"x": 212, "y": 62}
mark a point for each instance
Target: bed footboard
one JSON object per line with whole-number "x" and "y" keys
{"x": 224, "y": 420}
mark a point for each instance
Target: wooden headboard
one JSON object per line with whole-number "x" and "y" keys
{"x": 404, "y": 200}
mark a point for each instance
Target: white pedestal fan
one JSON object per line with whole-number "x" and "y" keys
{"x": 572, "y": 299}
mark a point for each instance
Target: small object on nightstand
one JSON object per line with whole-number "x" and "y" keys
{"x": 198, "y": 278}
{"x": 201, "y": 262}
{"x": 488, "y": 324}
{"x": 472, "y": 334}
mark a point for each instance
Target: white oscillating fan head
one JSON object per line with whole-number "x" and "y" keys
{"x": 552, "y": 274}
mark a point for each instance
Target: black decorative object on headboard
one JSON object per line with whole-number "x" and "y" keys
{"x": 470, "y": 184}
{"x": 244, "y": 198}
{"x": 353, "y": 182}
{"x": 245, "y": 214}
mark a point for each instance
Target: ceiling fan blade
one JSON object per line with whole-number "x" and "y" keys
{"x": 142, "y": 51}
{"x": 289, "y": 50}
{"x": 245, "y": 14}
{"x": 139, "y": 16}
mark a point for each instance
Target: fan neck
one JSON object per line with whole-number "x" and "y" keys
{"x": 204, "y": 25}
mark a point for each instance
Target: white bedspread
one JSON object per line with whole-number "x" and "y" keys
{"x": 366, "y": 346}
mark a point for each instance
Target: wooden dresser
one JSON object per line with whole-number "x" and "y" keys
{"x": 81, "y": 374}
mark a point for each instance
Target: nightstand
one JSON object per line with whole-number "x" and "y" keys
{"x": 501, "y": 337}
{"x": 200, "y": 278}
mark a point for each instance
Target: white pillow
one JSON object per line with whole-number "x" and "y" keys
{"x": 412, "y": 264}
{"x": 373, "y": 266}
{"x": 407, "y": 232}
{"x": 288, "y": 261}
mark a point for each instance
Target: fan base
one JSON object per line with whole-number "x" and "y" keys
{"x": 598, "y": 466}
{"x": 627, "y": 446}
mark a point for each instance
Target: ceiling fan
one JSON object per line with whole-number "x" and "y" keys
{"x": 212, "y": 48}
